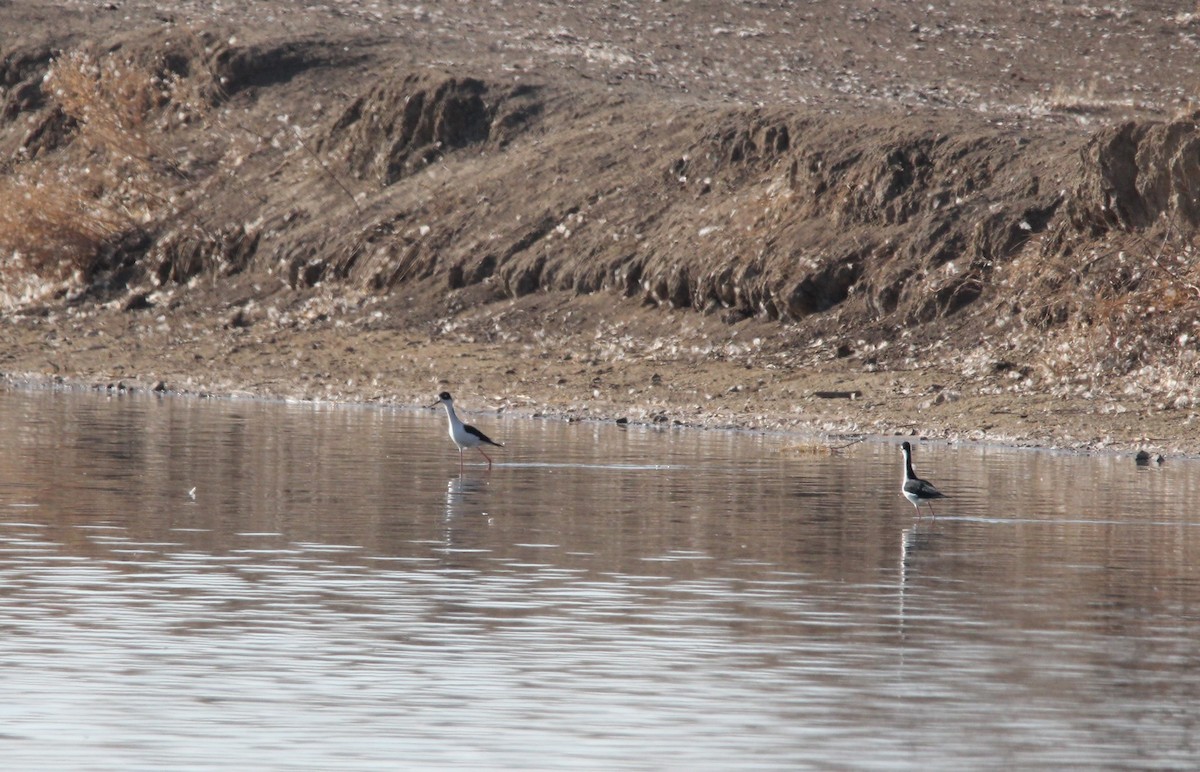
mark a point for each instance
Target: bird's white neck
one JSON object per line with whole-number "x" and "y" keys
{"x": 450, "y": 412}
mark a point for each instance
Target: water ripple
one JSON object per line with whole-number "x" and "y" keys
{"x": 339, "y": 598}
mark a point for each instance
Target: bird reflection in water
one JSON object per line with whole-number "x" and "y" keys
{"x": 914, "y": 541}
{"x": 464, "y": 496}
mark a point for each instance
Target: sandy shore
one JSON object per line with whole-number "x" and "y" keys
{"x": 655, "y": 376}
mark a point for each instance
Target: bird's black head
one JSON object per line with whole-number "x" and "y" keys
{"x": 905, "y": 446}
{"x": 445, "y": 396}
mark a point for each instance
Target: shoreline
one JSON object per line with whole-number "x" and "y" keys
{"x": 832, "y": 440}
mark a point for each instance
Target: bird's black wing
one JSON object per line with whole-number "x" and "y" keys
{"x": 482, "y": 437}
{"x": 923, "y": 489}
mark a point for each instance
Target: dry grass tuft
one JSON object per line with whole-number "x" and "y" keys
{"x": 116, "y": 176}
{"x": 123, "y": 105}
{"x": 112, "y": 102}
{"x": 48, "y": 227}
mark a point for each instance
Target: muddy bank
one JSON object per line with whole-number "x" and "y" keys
{"x": 670, "y": 370}
{"x": 628, "y": 214}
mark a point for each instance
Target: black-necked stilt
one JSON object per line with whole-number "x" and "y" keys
{"x": 464, "y": 435}
{"x": 915, "y": 489}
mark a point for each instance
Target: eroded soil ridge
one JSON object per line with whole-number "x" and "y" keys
{"x": 186, "y": 170}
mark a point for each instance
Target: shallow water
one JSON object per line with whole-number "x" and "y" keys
{"x": 205, "y": 584}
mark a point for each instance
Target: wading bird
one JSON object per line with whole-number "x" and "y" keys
{"x": 915, "y": 489}
{"x": 464, "y": 435}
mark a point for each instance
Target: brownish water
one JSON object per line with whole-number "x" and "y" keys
{"x": 334, "y": 595}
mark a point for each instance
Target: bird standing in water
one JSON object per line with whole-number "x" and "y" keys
{"x": 464, "y": 435}
{"x": 915, "y": 489}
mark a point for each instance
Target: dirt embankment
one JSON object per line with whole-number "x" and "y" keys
{"x": 536, "y": 216}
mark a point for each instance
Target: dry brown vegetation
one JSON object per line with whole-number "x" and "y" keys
{"x": 50, "y": 228}
{"x": 108, "y": 176}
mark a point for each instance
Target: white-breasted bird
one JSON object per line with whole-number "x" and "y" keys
{"x": 464, "y": 435}
{"x": 915, "y": 489}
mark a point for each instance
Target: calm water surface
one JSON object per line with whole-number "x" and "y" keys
{"x": 206, "y": 584}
